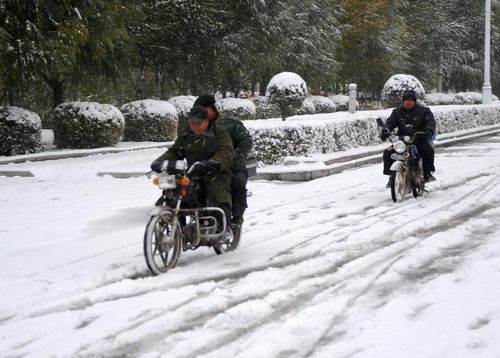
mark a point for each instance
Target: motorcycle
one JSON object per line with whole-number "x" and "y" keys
{"x": 407, "y": 175}
{"x": 183, "y": 219}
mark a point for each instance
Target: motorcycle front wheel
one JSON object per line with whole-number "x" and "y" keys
{"x": 162, "y": 243}
{"x": 398, "y": 185}
{"x": 418, "y": 191}
{"x": 233, "y": 244}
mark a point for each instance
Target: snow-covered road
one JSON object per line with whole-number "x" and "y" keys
{"x": 326, "y": 268}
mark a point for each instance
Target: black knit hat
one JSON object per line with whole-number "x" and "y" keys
{"x": 409, "y": 95}
{"x": 205, "y": 100}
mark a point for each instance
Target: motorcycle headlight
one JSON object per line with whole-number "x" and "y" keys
{"x": 167, "y": 182}
{"x": 400, "y": 147}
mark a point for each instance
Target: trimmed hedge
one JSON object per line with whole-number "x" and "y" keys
{"x": 265, "y": 109}
{"x": 150, "y": 120}
{"x": 20, "y": 131}
{"x": 238, "y": 107}
{"x": 87, "y": 125}
{"x": 325, "y": 133}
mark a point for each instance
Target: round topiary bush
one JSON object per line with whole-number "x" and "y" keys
{"x": 287, "y": 90}
{"x": 183, "y": 104}
{"x": 396, "y": 85}
{"x": 307, "y": 107}
{"x": 323, "y": 104}
{"x": 150, "y": 120}
{"x": 20, "y": 131}
{"x": 87, "y": 125}
{"x": 265, "y": 109}
{"x": 243, "y": 109}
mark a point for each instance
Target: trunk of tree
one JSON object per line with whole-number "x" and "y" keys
{"x": 10, "y": 98}
{"x": 57, "y": 92}
{"x": 440, "y": 74}
{"x": 75, "y": 84}
{"x": 160, "y": 85}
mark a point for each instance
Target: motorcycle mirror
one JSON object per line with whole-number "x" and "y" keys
{"x": 380, "y": 122}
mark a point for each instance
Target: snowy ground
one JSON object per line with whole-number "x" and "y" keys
{"x": 327, "y": 268}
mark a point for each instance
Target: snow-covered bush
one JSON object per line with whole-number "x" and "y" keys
{"x": 396, "y": 85}
{"x": 87, "y": 125}
{"x": 455, "y": 118}
{"x": 307, "y": 107}
{"x": 433, "y": 99}
{"x": 183, "y": 104}
{"x": 301, "y": 137}
{"x": 323, "y": 104}
{"x": 20, "y": 131}
{"x": 287, "y": 90}
{"x": 341, "y": 102}
{"x": 238, "y": 107}
{"x": 150, "y": 120}
{"x": 469, "y": 97}
{"x": 324, "y": 133}
{"x": 265, "y": 109}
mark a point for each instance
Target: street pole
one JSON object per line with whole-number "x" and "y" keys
{"x": 487, "y": 84}
{"x": 352, "y": 97}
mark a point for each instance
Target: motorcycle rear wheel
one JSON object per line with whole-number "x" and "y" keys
{"x": 398, "y": 186}
{"x": 161, "y": 249}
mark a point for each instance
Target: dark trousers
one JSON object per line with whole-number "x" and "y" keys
{"x": 239, "y": 192}
{"x": 424, "y": 148}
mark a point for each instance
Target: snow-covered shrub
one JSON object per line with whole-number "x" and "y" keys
{"x": 304, "y": 137}
{"x": 455, "y": 118}
{"x": 396, "y": 85}
{"x": 324, "y": 133}
{"x": 183, "y": 104}
{"x": 20, "y": 131}
{"x": 469, "y": 97}
{"x": 341, "y": 102}
{"x": 150, "y": 120}
{"x": 265, "y": 109}
{"x": 323, "y": 104}
{"x": 238, "y": 107}
{"x": 307, "y": 107}
{"x": 434, "y": 99}
{"x": 87, "y": 125}
{"x": 287, "y": 90}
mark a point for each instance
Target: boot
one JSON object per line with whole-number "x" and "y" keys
{"x": 428, "y": 177}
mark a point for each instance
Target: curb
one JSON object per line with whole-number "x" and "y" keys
{"x": 78, "y": 154}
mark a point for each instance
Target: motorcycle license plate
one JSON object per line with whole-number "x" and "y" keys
{"x": 167, "y": 182}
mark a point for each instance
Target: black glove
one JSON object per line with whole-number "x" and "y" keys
{"x": 385, "y": 134}
{"x": 214, "y": 165}
{"x": 429, "y": 133}
{"x": 206, "y": 166}
{"x": 156, "y": 166}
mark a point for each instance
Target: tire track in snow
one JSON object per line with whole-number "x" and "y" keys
{"x": 294, "y": 304}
